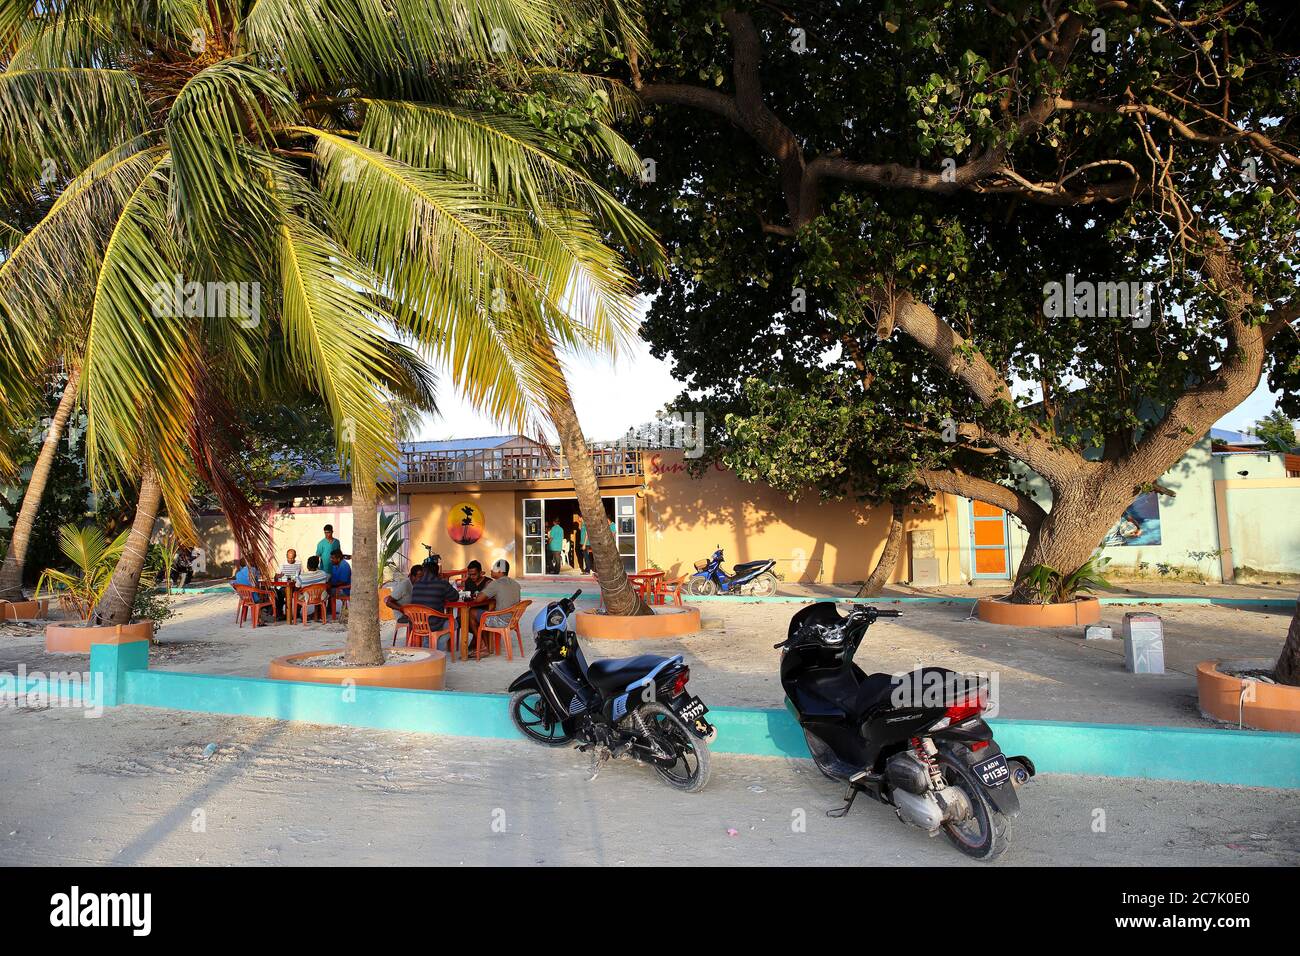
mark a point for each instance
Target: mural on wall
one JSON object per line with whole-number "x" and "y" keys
{"x": 1139, "y": 525}
{"x": 465, "y": 524}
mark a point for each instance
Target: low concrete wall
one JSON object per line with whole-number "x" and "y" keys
{"x": 1119, "y": 750}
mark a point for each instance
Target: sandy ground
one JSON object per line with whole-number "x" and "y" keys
{"x": 135, "y": 787}
{"x": 1049, "y": 673}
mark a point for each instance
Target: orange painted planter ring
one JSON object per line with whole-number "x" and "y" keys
{"x": 426, "y": 673}
{"x": 23, "y": 610}
{"x": 1067, "y": 614}
{"x": 70, "y": 639}
{"x": 1266, "y": 706}
{"x": 667, "y": 621}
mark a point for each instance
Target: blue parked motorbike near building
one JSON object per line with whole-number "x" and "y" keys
{"x": 752, "y": 578}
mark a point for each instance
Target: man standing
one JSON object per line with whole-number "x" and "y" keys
{"x": 327, "y": 546}
{"x": 584, "y": 547}
{"x": 554, "y": 545}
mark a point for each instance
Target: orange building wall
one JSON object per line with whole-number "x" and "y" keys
{"x": 430, "y": 514}
{"x": 828, "y": 542}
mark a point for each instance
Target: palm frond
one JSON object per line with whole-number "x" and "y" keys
{"x": 55, "y": 121}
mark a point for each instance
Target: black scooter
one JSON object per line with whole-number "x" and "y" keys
{"x": 915, "y": 742}
{"x": 630, "y": 707}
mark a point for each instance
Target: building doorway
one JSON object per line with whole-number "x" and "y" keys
{"x": 539, "y": 513}
{"x": 990, "y": 541}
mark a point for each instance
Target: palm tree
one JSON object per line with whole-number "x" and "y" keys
{"x": 11, "y": 573}
{"x": 367, "y": 170}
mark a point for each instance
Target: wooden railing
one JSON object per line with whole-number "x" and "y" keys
{"x": 511, "y": 464}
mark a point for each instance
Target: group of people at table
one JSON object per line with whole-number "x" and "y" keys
{"x": 483, "y": 595}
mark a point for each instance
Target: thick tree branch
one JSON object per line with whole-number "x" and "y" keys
{"x": 1027, "y": 511}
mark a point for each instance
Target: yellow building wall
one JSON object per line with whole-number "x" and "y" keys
{"x": 431, "y": 515}
{"x": 687, "y": 517}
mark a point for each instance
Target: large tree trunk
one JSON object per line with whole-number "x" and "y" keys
{"x": 11, "y": 574}
{"x": 118, "y": 600}
{"x": 1288, "y": 663}
{"x": 889, "y": 557}
{"x": 1080, "y": 518}
{"x": 364, "y": 646}
{"x": 617, "y": 593}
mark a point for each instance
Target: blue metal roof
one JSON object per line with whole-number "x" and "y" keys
{"x": 1230, "y": 437}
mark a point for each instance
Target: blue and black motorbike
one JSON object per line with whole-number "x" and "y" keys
{"x": 752, "y": 578}
{"x": 635, "y": 707}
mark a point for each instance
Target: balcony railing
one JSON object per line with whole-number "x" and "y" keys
{"x": 512, "y": 464}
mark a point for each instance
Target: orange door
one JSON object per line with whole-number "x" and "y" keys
{"x": 990, "y": 542}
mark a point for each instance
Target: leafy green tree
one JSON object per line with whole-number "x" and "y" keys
{"x": 833, "y": 180}
{"x": 1277, "y": 431}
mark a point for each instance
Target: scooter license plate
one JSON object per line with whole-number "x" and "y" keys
{"x": 994, "y": 772}
{"x": 689, "y": 709}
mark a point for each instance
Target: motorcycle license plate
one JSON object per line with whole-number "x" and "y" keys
{"x": 689, "y": 708}
{"x": 994, "y": 772}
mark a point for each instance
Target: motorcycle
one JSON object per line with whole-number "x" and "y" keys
{"x": 916, "y": 742}
{"x": 752, "y": 578}
{"x": 635, "y": 707}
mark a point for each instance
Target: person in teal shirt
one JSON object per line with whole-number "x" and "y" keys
{"x": 584, "y": 547}
{"x": 328, "y": 545}
{"x": 554, "y": 545}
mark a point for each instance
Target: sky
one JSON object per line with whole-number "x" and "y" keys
{"x": 612, "y": 399}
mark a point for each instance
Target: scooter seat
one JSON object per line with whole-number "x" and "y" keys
{"x": 610, "y": 676}
{"x": 750, "y": 566}
{"x": 874, "y": 690}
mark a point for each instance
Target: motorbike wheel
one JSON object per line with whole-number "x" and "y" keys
{"x": 984, "y": 836}
{"x": 762, "y": 586}
{"x": 701, "y": 587}
{"x": 530, "y": 712}
{"x": 690, "y": 772}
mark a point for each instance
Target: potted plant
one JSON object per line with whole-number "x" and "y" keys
{"x": 92, "y": 558}
{"x": 1053, "y": 598}
{"x": 391, "y": 539}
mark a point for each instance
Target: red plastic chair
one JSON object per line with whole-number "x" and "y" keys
{"x": 420, "y": 628}
{"x": 249, "y": 601}
{"x": 666, "y": 589}
{"x": 313, "y": 595}
{"x": 516, "y": 613}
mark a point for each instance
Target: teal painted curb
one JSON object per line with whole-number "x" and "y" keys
{"x": 955, "y": 599}
{"x": 1247, "y": 758}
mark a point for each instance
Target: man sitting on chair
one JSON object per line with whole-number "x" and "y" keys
{"x": 502, "y": 592}
{"x": 313, "y": 575}
{"x": 432, "y": 590}
{"x": 400, "y": 590}
{"x": 340, "y": 579}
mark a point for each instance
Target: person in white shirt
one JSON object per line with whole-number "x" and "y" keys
{"x": 313, "y": 574}
{"x": 290, "y": 569}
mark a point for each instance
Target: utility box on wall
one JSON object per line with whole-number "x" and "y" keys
{"x": 923, "y": 561}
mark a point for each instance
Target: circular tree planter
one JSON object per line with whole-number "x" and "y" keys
{"x": 23, "y": 610}
{"x": 77, "y": 638}
{"x": 1079, "y": 611}
{"x": 667, "y": 621}
{"x": 1264, "y": 707}
{"x": 410, "y": 668}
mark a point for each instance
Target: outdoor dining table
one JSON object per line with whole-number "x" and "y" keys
{"x": 645, "y": 582}
{"x": 463, "y": 607}
{"x": 290, "y": 598}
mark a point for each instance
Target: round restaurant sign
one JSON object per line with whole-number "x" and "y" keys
{"x": 465, "y": 523}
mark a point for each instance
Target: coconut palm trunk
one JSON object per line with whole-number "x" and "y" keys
{"x": 615, "y": 589}
{"x": 11, "y": 574}
{"x": 364, "y": 646}
{"x": 119, "y": 598}
{"x": 889, "y": 557}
